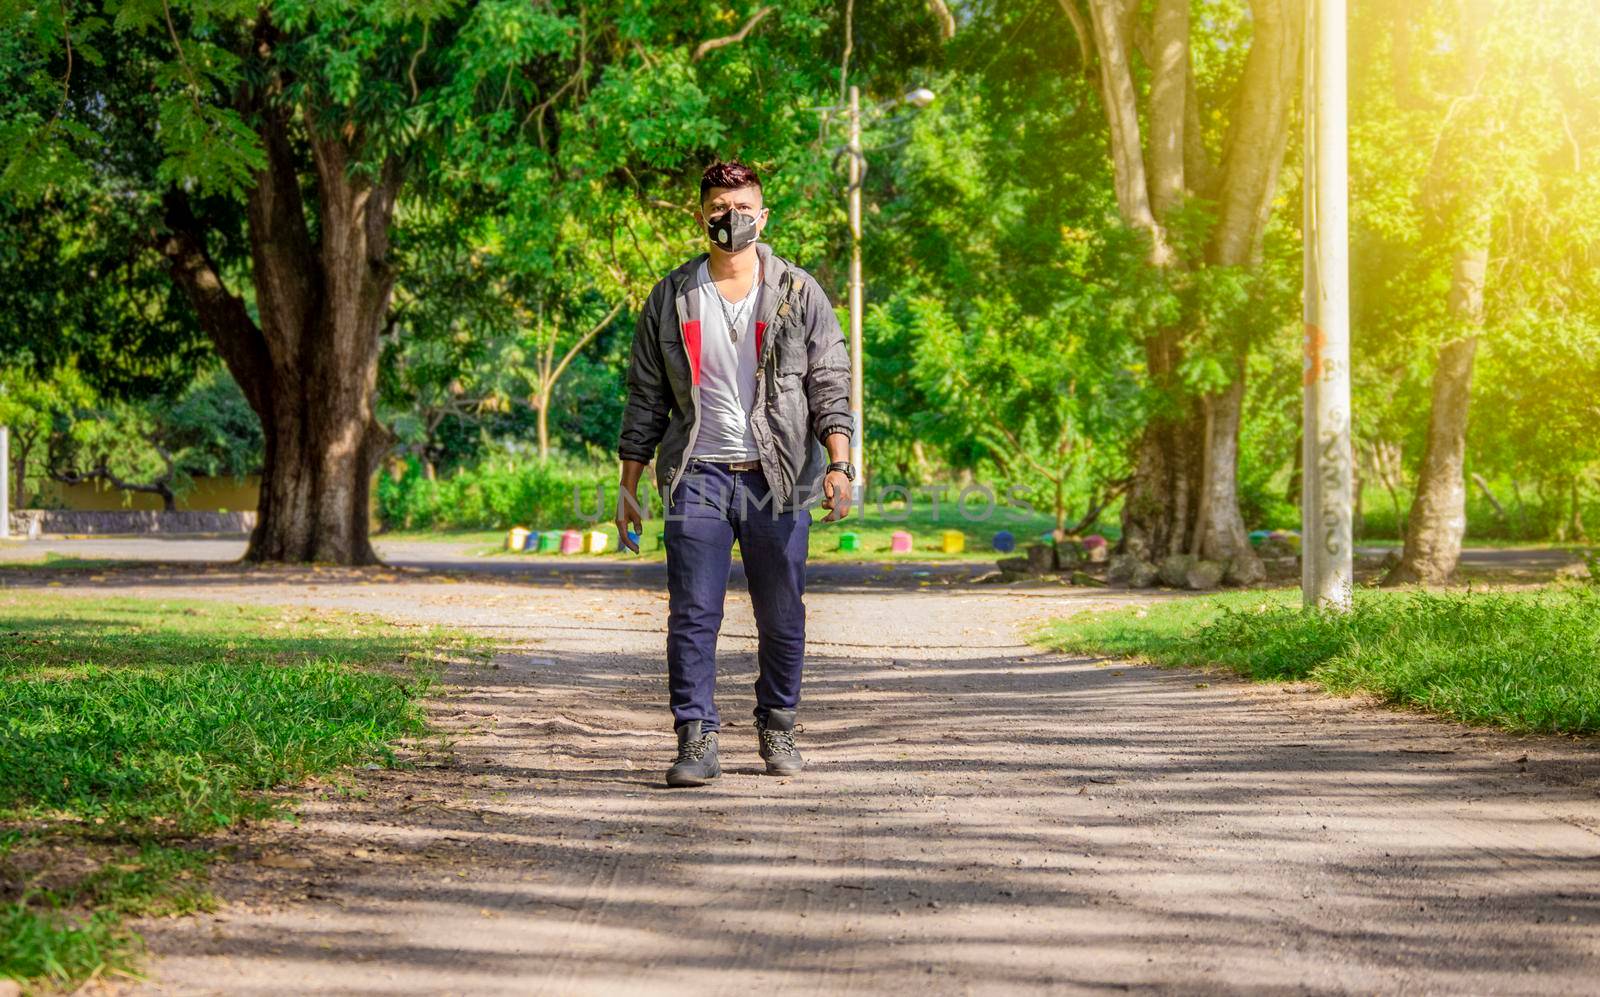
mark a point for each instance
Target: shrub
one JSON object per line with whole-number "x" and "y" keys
{"x": 498, "y": 493}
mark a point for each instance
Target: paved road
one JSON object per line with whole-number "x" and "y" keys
{"x": 980, "y": 817}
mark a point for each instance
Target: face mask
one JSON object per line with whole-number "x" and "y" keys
{"x": 732, "y": 230}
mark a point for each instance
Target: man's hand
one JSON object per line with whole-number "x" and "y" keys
{"x": 629, "y": 506}
{"x": 835, "y": 496}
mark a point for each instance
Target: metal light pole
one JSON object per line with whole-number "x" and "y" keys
{"x": 1326, "y": 534}
{"x": 857, "y": 392}
{"x": 919, "y": 98}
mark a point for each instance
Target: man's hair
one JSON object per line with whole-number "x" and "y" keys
{"x": 731, "y": 175}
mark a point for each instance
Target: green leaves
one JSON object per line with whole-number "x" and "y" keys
{"x": 209, "y": 150}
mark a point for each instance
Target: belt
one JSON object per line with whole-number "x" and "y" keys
{"x": 732, "y": 465}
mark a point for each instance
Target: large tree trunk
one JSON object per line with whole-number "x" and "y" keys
{"x": 1220, "y": 527}
{"x": 1184, "y": 493}
{"x": 1438, "y": 517}
{"x": 1159, "y": 510}
{"x": 310, "y": 368}
{"x": 19, "y": 490}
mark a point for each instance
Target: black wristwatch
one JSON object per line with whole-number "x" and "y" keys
{"x": 844, "y": 467}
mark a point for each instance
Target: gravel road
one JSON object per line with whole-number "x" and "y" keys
{"x": 980, "y": 816}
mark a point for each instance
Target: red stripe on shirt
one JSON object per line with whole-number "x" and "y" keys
{"x": 691, "y": 341}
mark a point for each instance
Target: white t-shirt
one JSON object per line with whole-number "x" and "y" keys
{"x": 727, "y": 372}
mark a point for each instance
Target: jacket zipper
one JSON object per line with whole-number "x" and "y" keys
{"x": 694, "y": 387}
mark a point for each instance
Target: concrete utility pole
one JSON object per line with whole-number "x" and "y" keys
{"x": 857, "y": 392}
{"x": 1327, "y": 541}
{"x": 5, "y": 482}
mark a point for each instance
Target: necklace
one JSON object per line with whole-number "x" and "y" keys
{"x": 737, "y": 317}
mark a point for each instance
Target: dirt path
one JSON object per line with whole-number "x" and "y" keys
{"x": 980, "y": 817}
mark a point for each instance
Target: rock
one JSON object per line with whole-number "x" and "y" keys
{"x": 1243, "y": 569}
{"x": 1575, "y": 572}
{"x": 1274, "y": 548}
{"x": 1040, "y": 558}
{"x": 1014, "y": 565}
{"x": 277, "y": 860}
{"x": 1174, "y": 570}
{"x": 1069, "y": 554}
{"x": 1204, "y": 575}
{"x": 1084, "y": 578}
{"x": 1121, "y": 569}
{"x": 1132, "y": 571}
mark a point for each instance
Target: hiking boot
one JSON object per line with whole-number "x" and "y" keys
{"x": 776, "y": 732}
{"x": 697, "y": 762}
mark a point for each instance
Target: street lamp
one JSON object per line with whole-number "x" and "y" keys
{"x": 918, "y": 98}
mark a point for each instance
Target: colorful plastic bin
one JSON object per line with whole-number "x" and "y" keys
{"x": 594, "y": 542}
{"x": 550, "y": 542}
{"x": 1096, "y": 548}
{"x": 900, "y": 542}
{"x": 516, "y": 538}
{"x": 571, "y": 542}
{"x": 530, "y": 545}
{"x": 953, "y": 541}
{"x": 849, "y": 541}
{"x": 1005, "y": 542}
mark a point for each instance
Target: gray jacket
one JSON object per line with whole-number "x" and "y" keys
{"x": 802, "y": 380}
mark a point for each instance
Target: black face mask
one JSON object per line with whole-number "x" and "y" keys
{"x": 732, "y": 230}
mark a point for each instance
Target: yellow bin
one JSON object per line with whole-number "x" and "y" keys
{"x": 516, "y": 538}
{"x": 954, "y": 541}
{"x": 594, "y": 542}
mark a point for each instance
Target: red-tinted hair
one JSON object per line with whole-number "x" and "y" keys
{"x": 730, "y": 176}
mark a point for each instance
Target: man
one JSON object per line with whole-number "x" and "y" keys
{"x": 738, "y": 381}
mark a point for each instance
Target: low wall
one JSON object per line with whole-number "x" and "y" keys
{"x": 34, "y": 522}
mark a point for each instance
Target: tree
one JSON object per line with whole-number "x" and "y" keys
{"x": 1204, "y": 219}
{"x": 1047, "y": 396}
{"x": 31, "y": 407}
{"x": 1485, "y": 240}
{"x": 154, "y": 446}
{"x": 269, "y": 148}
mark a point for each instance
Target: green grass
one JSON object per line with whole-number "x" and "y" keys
{"x": 130, "y": 729}
{"x": 1522, "y": 661}
{"x": 873, "y": 526}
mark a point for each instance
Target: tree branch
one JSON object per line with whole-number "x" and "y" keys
{"x": 288, "y": 284}
{"x": 1169, "y": 91}
{"x": 1083, "y": 35}
{"x": 849, "y": 46}
{"x": 1259, "y": 132}
{"x": 712, "y": 44}
{"x": 584, "y": 340}
{"x": 222, "y": 314}
{"x": 1122, "y": 114}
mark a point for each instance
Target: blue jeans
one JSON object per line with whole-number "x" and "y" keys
{"x": 710, "y": 509}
